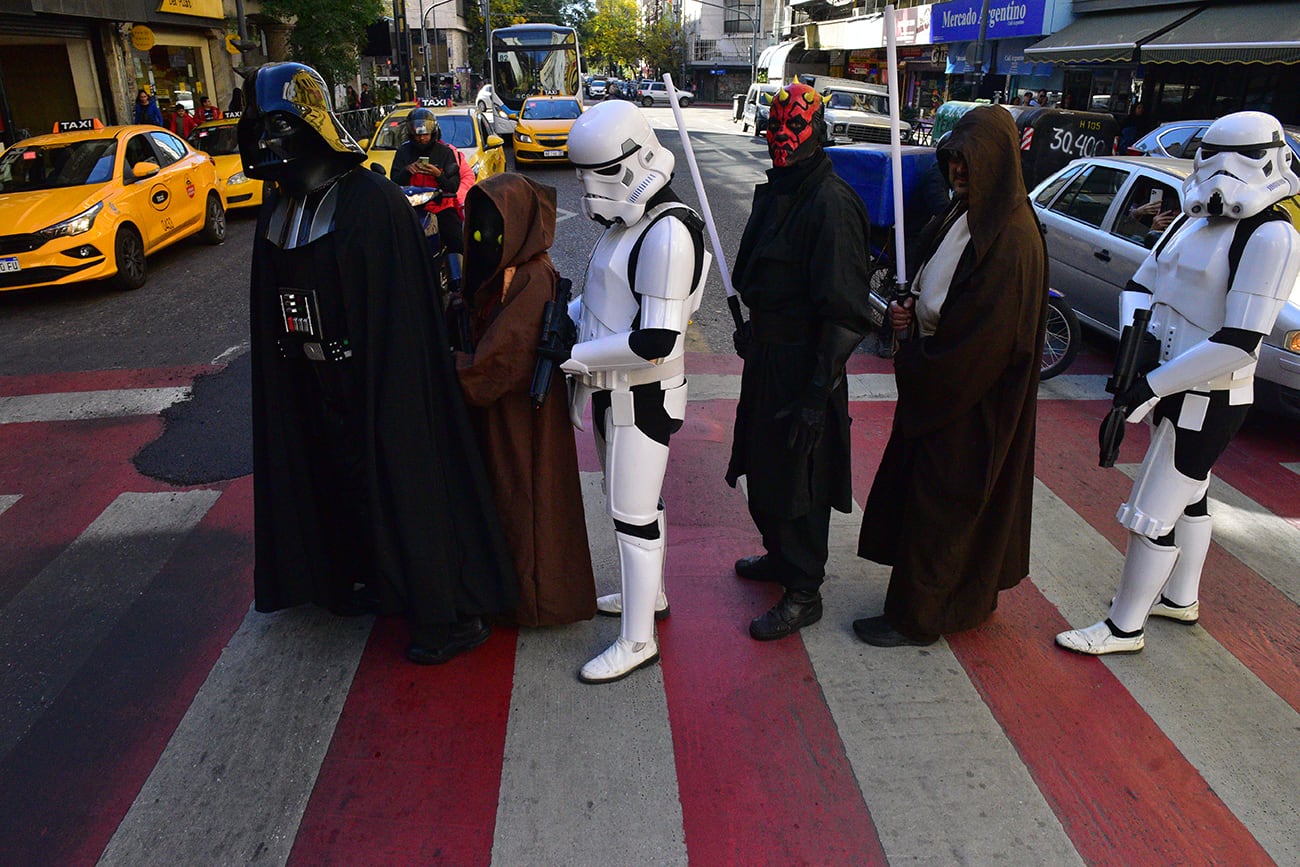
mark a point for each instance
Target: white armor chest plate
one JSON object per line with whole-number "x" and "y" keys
{"x": 1189, "y": 298}
{"x": 608, "y": 305}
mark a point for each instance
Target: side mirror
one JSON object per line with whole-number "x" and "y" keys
{"x": 495, "y": 141}
{"x": 364, "y": 144}
{"x": 378, "y": 169}
{"x": 512, "y": 115}
{"x": 144, "y": 169}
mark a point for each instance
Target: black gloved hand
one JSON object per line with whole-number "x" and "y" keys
{"x": 567, "y": 332}
{"x": 741, "y": 339}
{"x": 1134, "y": 396}
{"x": 807, "y": 421}
{"x": 558, "y": 354}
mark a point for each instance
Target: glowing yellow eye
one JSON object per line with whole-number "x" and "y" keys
{"x": 478, "y": 236}
{"x": 498, "y": 240}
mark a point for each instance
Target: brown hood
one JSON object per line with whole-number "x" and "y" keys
{"x": 987, "y": 138}
{"x": 528, "y": 209}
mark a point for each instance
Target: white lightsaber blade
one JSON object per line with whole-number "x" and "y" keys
{"x": 895, "y": 146}
{"x": 699, "y": 187}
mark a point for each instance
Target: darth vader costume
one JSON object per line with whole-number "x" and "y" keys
{"x": 365, "y": 468}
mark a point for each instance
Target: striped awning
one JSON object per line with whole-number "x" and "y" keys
{"x": 1104, "y": 38}
{"x": 1235, "y": 33}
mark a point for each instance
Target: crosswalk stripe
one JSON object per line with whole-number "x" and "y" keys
{"x": 64, "y": 611}
{"x": 235, "y": 777}
{"x": 943, "y": 782}
{"x": 7, "y": 500}
{"x": 80, "y": 405}
{"x": 1221, "y": 717}
{"x": 608, "y": 748}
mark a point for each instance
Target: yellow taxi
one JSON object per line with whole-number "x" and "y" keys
{"x": 91, "y": 202}
{"x": 462, "y": 127}
{"x": 219, "y": 140}
{"x": 542, "y": 131}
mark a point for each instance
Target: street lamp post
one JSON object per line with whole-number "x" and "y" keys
{"x": 754, "y": 22}
{"x": 424, "y": 39}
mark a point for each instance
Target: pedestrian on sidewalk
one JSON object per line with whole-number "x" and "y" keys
{"x": 950, "y": 506}
{"x": 365, "y": 466}
{"x": 146, "y": 109}
{"x": 800, "y": 269}
{"x": 530, "y": 451}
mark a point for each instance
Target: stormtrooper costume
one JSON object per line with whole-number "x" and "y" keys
{"x": 1214, "y": 284}
{"x": 643, "y": 283}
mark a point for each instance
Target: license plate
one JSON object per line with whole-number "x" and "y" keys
{"x": 9, "y": 265}
{"x": 552, "y": 153}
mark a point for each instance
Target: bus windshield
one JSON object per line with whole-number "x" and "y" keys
{"x": 534, "y": 60}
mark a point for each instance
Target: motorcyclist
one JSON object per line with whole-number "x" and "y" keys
{"x": 423, "y": 160}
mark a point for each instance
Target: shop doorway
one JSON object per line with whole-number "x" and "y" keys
{"x": 38, "y": 87}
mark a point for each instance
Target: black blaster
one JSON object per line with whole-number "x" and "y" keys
{"x": 557, "y": 333}
{"x": 1137, "y": 354}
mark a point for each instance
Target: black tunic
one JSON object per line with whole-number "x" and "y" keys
{"x": 802, "y": 262}
{"x": 366, "y": 469}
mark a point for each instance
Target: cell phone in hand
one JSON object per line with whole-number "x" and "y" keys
{"x": 1157, "y": 198}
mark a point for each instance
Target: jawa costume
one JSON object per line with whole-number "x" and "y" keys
{"x": 802, "y": 271}
{"x": 530, "y": 453}
{"x": 1214, "y": 286}
{"x": 365, "y": 468}
{"x": 951, "y": 503}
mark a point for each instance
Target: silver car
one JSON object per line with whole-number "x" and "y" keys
{"x": 656, "y": 92}
{"x": 1102, "y": 216}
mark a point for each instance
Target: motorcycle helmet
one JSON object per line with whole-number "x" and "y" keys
{"x": 421, "y": 121}
{"x": 1242, "y": 167}
{"x": 288, "y": 133}
{"x": 619, "y": 161}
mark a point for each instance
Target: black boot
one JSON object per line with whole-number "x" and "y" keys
{"x": 797, "y": 609}
{"x": 761, "y": 567}
{"x": 438, "y": 644}
{"x": 877, "y": 632}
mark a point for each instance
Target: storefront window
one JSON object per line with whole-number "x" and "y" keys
{"x": 173, "y": 73}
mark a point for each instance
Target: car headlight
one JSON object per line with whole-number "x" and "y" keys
{"x": 236, "y": 178}
{"x": 839, "y": 128}
{"x": 1291, "y": 341}
{"x": 74, "y": 226}
{"x": 523, "y": 137}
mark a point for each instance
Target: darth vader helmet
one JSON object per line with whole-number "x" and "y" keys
{"x": 619, "y": 161}
{"x": 289, "y": 134}
{"x": 1242, "y": 167}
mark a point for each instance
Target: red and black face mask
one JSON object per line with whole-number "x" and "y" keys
{"x": 794, "y": 124}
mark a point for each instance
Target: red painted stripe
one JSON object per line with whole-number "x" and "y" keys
{"x": 1252, "y": 619}
{"x": 67, "y": 785}
{"x": 1251, "y": 464}
{"x": 762, "y": 773}
{"x": 1122, "y": 790}
{"x": 413, "y": 773}
{"x": 102, "y": 380}
{"x": 66, "y": 473}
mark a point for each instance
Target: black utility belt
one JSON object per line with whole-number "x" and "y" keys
{"x": 303, "y": 332}
{"x": 782, "y": 330}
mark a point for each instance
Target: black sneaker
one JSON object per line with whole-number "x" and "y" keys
{"x": 463, "y": 636}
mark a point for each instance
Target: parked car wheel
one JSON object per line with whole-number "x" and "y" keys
{"x": 647, "y": 101}
{"x": 214, "y": 221}
{"x": 683, "y": 101}
{"x": 128, "y": 253}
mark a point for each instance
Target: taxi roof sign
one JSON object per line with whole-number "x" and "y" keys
{"x": 78, "y": 125}
{"x": 434, "y": 102}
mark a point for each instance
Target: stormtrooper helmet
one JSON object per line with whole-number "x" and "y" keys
{"x": 619, "y": 161}
{"x": 1242, "y": 166}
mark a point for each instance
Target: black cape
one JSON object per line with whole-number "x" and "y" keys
{"x": 802, "y": 259}
{"x": 366, "y": 469}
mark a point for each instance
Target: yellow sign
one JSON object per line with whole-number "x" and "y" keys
{"x": 197, "y": 8}
{"x": 142, "y": 38}
{"x": 231, "y": 39}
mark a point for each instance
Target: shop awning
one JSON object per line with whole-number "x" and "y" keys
{"x": 775, "y": 56}
{"x": 1103, "y": 38}
{"x": 867, "y": 31}
{"x": 1238, "y": 33}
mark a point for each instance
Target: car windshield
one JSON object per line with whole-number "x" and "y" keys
{"x": 858, "y": 102}
{"x": 765, "y": 97}
{"x": 219, "y": 141}
{"x": 25, "y": 168}
{"x": 457, "y": 131}
{"x": 390, "y": 135}
{"x": 551, "y": 109}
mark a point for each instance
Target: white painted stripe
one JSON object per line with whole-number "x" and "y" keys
{"x": 881, "y": 386}
{"x": 234, "y": 781}
{"x": 1265, "y": 542}
{"x": 943, "y": 782}
{"x": 79, "y": 405}
{"x": 588, "y": 775}
{"x": 7, "y": 500}
{"x": 1238, "y": 733}
{"x": 64, "y": 612}
{"x": 231, "y": 352}
{"x": 1295, "y": 468}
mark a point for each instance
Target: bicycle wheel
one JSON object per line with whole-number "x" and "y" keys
{"x": 1061, "y": 343}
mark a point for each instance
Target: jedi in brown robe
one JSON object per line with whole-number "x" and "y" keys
{"x": 951, "y": 503}
{"x": 530, "y": 453}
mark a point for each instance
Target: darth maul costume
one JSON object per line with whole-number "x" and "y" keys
{"x": 365, "y": 468}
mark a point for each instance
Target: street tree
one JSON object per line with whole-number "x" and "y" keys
{"x": 328, "y": 35}
{"x": 611, "y": 38}
{"x": 665, "y": 43}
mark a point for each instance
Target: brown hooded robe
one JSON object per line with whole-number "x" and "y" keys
{"x": 951, "y": 504}
{"x": 530, "y": 453}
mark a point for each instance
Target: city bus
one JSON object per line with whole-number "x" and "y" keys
{"x": 534, "y": 60}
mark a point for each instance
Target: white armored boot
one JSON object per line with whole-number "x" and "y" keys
{"x": 641, "y": 563}
{"x": 612, "y": 605}
{"x": 1179, "y": 600}
{"x": 1147, "y": 567}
